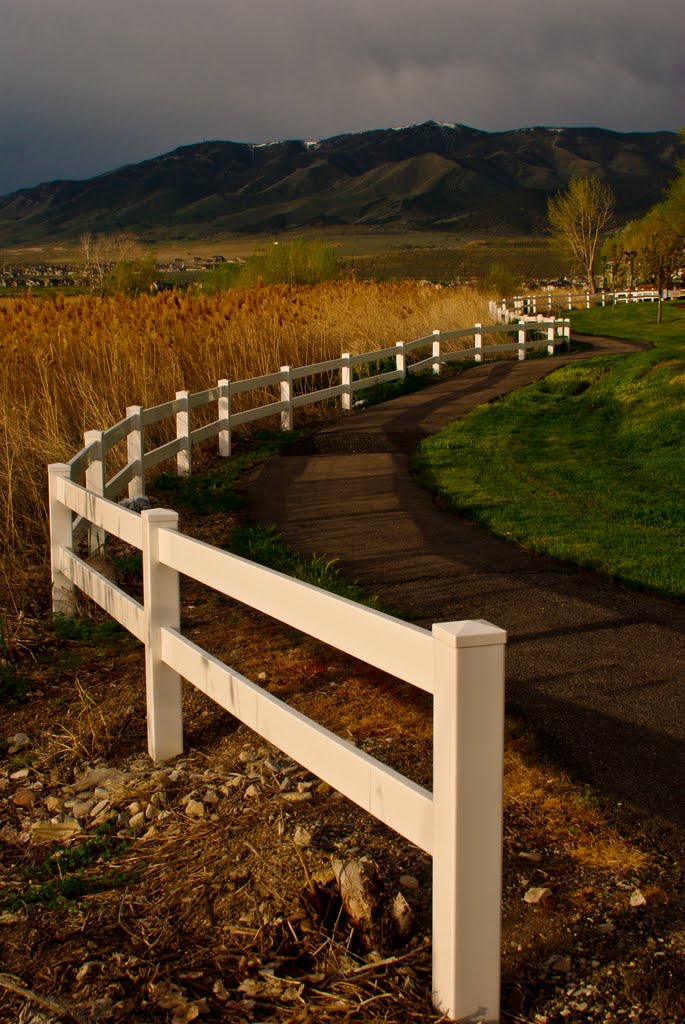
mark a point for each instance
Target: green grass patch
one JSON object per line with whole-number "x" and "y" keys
{"x": 585, "y": 465}
{"x": 86, "y": 631}
{"x": 74, "y": 872}
{"x": 265, "y": 545}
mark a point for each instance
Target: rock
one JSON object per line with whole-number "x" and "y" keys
{"x": 98, "y": 808}
{"x": 195, "y": 809}
{"x": 296, "y": 798}
{"x": 93, "y": 777}
{"x": 24, "y": 798}
{"x": 359, "y": 890}
{"x": 151, "y": 812}
{"x": 210, "y": 797}
{"x": 137, "y": 820}
{"x": 251, "y": 792}
{"x": 562, "y": 965}
{"x": 8, "y": 918}
{"x": 247, "y": 755}
{"x": 637, "y": 899}
{"x": 53, "y": 803}
{"x": 410, "y": 883}
{"x": 134, "y": 807}
{"x": 19, "y": 741}
{"x": 302, "y": 837}
{"x": 139, "y": 504}
{"x": 104, "y": 565}
{"x": 533, "y": 857}
{"x": 402, "y": 916}
{"x": 323, "y": 789}
{"x": 537, "y": 895}
{"x": 55, "y": 831}
{"x": 22, "y": 773}
{"x": 82, "y": 808}
{"x": 607, "y": 928}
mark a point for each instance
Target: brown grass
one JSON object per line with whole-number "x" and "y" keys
{"x": 75, "y": 364}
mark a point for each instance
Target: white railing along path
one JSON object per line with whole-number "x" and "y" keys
{"x": 460, "y": 663}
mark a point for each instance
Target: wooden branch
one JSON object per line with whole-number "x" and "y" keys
{"x": 56, "y": 1006}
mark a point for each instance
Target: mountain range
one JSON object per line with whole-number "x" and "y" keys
{"x": 428, "y": 176}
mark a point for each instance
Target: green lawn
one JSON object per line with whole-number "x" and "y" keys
{"x": 586, "y": 465}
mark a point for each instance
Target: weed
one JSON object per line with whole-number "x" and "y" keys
{"x": 91, "y": 736}
{"x": 13, "y": 688}
{"x": 86, "y": 631}
{"x": 264, "y": 544}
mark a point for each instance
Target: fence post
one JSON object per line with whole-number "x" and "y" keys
{"x": 468, "y": 764}
{"x": 436, "y": 352}
{"x": 224, "y": 417}
{"x": 603, "y": 299}
{"x": 478, "y": 342}
{"x": 401, "y": 359}
{"x": 346, "y": 382}
{"x": 134, "y": 451}
{"x": 162, "y": 609}
{"x": 522, "y": 340}
{"x": 569, "y": 300}
{"x": 185, "y": 456}
{"x": 287, "y": 397}
{"x": 535, "y": 305}
{"x": 587, "y": 300}
{"x": 551, "y": 330}
{"x": 567, "y": 333}
{"x": 63, "y": 594}
{"x": 95, "y": 482}
{"x": 549, "y": 302}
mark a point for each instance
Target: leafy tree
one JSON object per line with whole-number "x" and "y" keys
{"x": 577, "y": 219}
{"x": 133, "y": 276}
{"x": 502, "y": 280}
{"x": 658, "y": 240}
{"x": 296, "y": 262}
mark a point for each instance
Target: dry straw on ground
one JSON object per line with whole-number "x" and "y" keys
{"x": 75, "y": 364}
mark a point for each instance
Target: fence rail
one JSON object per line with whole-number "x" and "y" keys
{"x": 509, "y": 310}
{"x": 461, "y": 664}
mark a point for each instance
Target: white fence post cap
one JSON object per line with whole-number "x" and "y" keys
{"x": 469, "y": 633}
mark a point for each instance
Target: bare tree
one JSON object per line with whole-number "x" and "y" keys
{"x": 577, "y": 219}
{"x": 100, "y": 254}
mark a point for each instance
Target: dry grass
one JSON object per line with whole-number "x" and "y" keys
{"x": 75, "y": 364}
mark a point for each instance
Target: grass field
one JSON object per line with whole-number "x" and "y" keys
{"x": 585, "y": 465}
{"x": 435, "y": 256}
{"x": 75, "y": 364}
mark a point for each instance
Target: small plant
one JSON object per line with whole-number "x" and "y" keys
{"x": 265, "y": 545}
{"x": 13, "y": 688}
{"x": 86, "y": 631}
{"x": 90, "y": 737}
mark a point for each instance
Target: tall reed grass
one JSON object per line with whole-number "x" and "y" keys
{"x": 75, "y": 364}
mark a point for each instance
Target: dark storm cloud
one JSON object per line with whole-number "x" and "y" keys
{"x": 87, "y": 85}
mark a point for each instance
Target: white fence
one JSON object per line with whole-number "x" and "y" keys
{"x": 460, "y": 663}
{"x": 509, "y": 310}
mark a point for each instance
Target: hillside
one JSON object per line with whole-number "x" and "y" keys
{"x": 437, "y": 176}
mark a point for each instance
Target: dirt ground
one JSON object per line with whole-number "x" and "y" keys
{"x": 203, "y": 889}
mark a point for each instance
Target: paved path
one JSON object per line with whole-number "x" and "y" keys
{"x": 597, "y": 669}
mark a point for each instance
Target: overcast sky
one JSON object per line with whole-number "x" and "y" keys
{"x": 89, "y": 85}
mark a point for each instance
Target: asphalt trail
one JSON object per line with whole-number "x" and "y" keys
{"x": 598, "y": 670}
